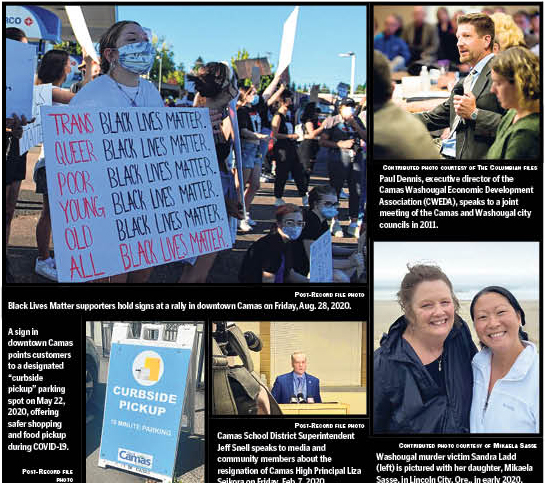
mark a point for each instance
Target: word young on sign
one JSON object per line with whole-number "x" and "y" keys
{"x": 131, "y": 189}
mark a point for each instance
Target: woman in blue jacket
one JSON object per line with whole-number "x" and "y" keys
{"x": 506, "y": 371}
{"x": 422, "y": 371}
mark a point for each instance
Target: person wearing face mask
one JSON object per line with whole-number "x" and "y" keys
{"x": 125, "y": 54}
{"x": 271, "y": 258}
{"x": 285, "y": 151}
{"x": 342, "y": 135}
{"x": 323, "y": 208}
{"x": 216, "y": 87}
{"x": 54, "y": 68}
{"x": 249, "y": 124}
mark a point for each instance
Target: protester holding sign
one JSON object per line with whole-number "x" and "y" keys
{"x": 323, "y": 208}
{"x": 54, "y": 68}
{"x": 422, "y": 370}
{"x": 506, "y": 370}
{"x": 216, "y": 87}
{"x": 125, "y": 54}
{"x": 271, "y": 258}
{"x": 285, "y": 152}
{"x": 14, "y": 162}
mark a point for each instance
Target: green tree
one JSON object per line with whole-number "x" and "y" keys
{"x": 360, "y": 89}
{"x": 241, "y": 55}
{"x": 199, "y": 62}
{"x": 324, "y": 89}
{"x": 72, "y": 48}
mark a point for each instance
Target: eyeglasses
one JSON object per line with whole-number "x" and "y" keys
{"x": 329, "y": 204}
{"x": 292, "y": 223}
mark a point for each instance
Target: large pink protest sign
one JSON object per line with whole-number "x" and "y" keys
{"x": 131, "y": 188}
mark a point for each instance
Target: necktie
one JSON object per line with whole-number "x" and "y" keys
{"x": 299, "y": 384}
{"x": 468, "y": 81}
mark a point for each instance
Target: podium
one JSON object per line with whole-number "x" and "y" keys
{"x": 315, "y": 408}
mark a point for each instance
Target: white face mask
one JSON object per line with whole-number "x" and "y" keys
{"x": 137, "y": 58}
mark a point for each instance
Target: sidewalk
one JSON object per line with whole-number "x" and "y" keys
{"x": 22, "y": 250}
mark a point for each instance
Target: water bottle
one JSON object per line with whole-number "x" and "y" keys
{"x": 425, "y": 83}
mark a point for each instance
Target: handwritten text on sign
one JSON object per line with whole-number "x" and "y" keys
{"x": 131, "y": 188}
{"x": 32, "y": 133}
{"x": 321, "y": 259}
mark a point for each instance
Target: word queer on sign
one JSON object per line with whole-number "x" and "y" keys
{"x": 131, "y": 189}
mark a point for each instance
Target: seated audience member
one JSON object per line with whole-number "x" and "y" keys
{"x": 271, "y": 258}
{"x": 392, "y": 46}
{"x": 421, "y": 37}
{"x": 298, "y": 385}
{"x": 506, "y": 32}
{"x": 397, "y": 134}
{"x": 522, "y": 19}
{"x": 446, "y": 31}
{"x": 515, "y": 81}
{"x": 323, "y": 208}
{"x": 473, "y": 117}
{"x": 534, "y": 21}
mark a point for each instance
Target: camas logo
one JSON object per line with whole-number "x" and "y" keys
{"x": 139, "y": 459}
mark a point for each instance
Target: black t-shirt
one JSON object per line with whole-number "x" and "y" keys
{"x": 266, "y": 255}
{"x": 249, "y": 118}
{"x": 314, "y": 229}
{"x": 264, "y": 113}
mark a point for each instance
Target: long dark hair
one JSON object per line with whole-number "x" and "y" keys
{"x": 52, "y": 66}
{"x": 14, "y": 33}
{"x": 109, "y": 41}
{"x": 510, "y": 298}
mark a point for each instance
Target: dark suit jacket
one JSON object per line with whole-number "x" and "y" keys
{"x": 283, "y": 388}
{"x": 473, "y": 138}
{"x": 430, "y": 41}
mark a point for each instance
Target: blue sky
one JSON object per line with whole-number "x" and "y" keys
{"x": 218, "y": 32}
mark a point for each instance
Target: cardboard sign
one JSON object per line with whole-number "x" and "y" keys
{"x": 144, "y": 403}
{"x": 32, "y": 133}
{"x": 131, "y": 188}
{"x": 20, "y": 62}
{"x": 81, "y": 32}
{"x": 288, "y": 39}
{"x": 321, "y": 259}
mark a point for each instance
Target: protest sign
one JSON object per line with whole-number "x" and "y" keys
{"x": 147, "y": 383}
{"x": 32, "y": 133}
{"x": 321, "y": 259}
{"x": 81, "y": 32}
{"x": 131, "y": 188}
{"x": 288, "y": 39}
{"x": 20, "y": 63}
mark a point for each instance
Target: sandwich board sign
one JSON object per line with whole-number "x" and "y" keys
{"x": 148, "y": 381}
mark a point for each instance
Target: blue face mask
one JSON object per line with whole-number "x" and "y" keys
{"x": 255, "y": 100}
{"x": 293, "y": 232}
{"x": 329, "y": 212}
{"x": 137, "y": 58}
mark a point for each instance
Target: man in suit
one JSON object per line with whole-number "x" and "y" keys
{"x": 297, "y": 382}
{"x": 473, "y": 117}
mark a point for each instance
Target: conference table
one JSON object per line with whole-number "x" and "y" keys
{"x": 422, "y": 105}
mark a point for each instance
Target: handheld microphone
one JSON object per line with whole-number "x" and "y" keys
{"x": 458, "y": 90}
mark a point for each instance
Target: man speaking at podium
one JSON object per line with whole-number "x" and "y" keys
{"x": 297, "y": 386}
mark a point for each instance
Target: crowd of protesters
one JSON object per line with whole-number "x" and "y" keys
{"x": 280, "y": 141}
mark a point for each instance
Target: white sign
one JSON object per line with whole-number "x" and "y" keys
{"x": 288, "y": 39}
{"x": 32, "y": 133}
{"x": 20, "y": 63}
{"x": 81, "y": 32}
{"x": 131, "y": 188}
{"x": 321, "y": 259}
